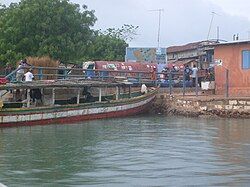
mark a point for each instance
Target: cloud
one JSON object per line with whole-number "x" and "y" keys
{"x": 181, "y": 22}
{"x": 234, "y": 8}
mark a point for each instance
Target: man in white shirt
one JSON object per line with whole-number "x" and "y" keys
{"x": 29, "y": 76}
{"x": 194, "y": 74}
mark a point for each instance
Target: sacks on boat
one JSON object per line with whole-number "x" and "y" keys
{"x": 144, "y": 89}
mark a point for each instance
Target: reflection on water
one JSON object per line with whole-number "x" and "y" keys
{"x": 137, "y": 151}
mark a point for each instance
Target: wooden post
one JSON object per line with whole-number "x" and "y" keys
{"x": 184, "y": 83}
{"x": 78, "y": 96}
{"x": 40, "y": 73}
{"x": 117, "y": 93}
{"x": 53, "y": 96}
{"x": 65, "y": 73}
{"x": 196, "y": 84}
{"x": 42, "y": 92}
{"x": 129, "y": 91}
{"x": 170, "y": 83}
{"x": 100, "y": 94}
{"x": 227, "y": 83}
{"x": 28, "y": 98}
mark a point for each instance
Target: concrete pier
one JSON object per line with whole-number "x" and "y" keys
{"x": 202, "y": 106}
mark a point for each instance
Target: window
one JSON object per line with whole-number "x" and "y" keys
{"x": 245, "y": 59}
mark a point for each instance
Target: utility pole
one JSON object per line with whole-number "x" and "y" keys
{"x": 218, "y": 33}
{"x": 159, "y": 25}
{"x": 211, "y": 23}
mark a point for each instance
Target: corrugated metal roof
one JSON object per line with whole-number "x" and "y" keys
{"x": 189, "y": 46}
{"x": 183, "y": 47}
{"x": 234, "y": 42}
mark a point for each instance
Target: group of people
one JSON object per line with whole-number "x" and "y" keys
{"x": 20, "y": 74}
{"x": 191, "y": 73}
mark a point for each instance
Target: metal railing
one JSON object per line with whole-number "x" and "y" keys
{"x": 183, "y": 84}
{"x": 43, "y": 73}
{"x": 174, "y": 82}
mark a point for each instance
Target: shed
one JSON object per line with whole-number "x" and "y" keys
{"x": 234, "y": 58}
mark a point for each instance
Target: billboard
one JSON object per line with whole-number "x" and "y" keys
{"x": 154, "y": 55}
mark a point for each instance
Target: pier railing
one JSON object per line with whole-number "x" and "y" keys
{"x": 173, "y": 81}
{"x": 178, "y": 82}
{"x": 46, "y": 73}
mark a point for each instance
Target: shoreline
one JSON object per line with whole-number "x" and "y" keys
{"x": 202, "y": 106}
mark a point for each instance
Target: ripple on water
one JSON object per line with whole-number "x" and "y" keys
{"x": 136, "y": 151}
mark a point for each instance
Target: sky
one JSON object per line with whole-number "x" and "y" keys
{"x": 182, "y": 21}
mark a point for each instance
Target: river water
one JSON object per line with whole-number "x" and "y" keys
{"x": 135, "y": 151}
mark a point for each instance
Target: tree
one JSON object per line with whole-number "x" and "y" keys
{"x": 126, "y": 32}
{"x": 56, "y": 28}
{"x": 106, "y": 47}
{"x": 111, "y": 44}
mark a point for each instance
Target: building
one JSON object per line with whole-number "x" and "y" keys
{"x": 198, "y": 53}
{"x": 234, "y": 58}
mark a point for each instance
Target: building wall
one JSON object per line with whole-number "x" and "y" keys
{"x": 182, "y": 54}
{"x": 239, "y": 79}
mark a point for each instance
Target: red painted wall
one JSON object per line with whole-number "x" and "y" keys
{"x": 239, "y": 79}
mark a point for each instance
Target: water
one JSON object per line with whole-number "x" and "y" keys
{"x": 136, "y": 151}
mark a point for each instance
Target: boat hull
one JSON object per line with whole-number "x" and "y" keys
{"x": 76, "y": 113}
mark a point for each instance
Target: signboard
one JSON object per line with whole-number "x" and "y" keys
{"x": 153, "y": 55}
{"x": 217, "y": 62}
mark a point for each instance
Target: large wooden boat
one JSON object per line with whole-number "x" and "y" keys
{"x": 57, "y": 111}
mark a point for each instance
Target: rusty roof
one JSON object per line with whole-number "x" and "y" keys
{"x": 186, "y": 47}
{"x": 189, "y": 46}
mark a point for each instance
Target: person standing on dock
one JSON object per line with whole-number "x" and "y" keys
{"x": 20, "y": 71}
{"x": 194, "y": 74}
{"x": 187, "y": 73}
{"x": 29, "y": 76}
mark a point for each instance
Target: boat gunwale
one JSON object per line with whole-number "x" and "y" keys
{"x": 69, "y": 107}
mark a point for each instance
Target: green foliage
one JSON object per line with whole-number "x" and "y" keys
{"x": 59, "y": 29}
{"x": 111, "y": 44}
{"x": 56, "y": 28}
{"x": 2, "y": 9}
{"x": 126, "y": 32}
{"x": 106, "y": 47}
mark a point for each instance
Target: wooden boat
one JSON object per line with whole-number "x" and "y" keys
{"x": 103, "y": 106}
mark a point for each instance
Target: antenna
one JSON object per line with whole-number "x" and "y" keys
{"x": 211, "y": 23}
{"x": 218, "y": 33}
{"x": 159, "y": 25}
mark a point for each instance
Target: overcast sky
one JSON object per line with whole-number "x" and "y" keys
{"x": 182, "y": 21}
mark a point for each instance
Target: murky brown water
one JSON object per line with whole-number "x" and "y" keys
{"x": 137, "y": 151}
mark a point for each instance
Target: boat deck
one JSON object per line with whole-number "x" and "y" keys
{"x": 61, "y": 83}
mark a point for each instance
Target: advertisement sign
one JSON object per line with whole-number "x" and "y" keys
{"x": 153, "y": 55}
